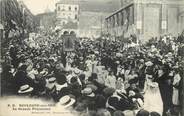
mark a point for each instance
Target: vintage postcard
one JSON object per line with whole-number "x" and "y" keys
{"x": 92, "y": 58}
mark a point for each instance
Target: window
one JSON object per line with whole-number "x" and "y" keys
{"x": 58, "y": 8}
{"x": 69, "y": 8}
{"x": 75, "y": 8}
{"x": 76, "y": 17}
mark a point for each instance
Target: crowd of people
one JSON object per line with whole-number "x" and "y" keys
{"x": 100, "y": 77}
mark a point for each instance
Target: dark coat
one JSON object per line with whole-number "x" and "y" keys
{"x": 21, "y": 78}
{"x": 7, "y": 83}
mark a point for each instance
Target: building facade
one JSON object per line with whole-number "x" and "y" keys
{"x": 67, "y": 16}
{"x": 16, "y": 18}
{"x": 147, "y": 18}
{"x": 91, "y": 24}
{"x": 46, "y": 20}
{"x": 28, "y": 18}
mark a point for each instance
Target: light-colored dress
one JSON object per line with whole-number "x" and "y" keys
{"x": 110, "y": 81}
{"x": 175, "y": 97}
{"x": 152, "y": 97}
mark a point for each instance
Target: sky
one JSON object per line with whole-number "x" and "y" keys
{"x": 39, "y": 6}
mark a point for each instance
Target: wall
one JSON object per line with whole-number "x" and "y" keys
{"x": 90, "y": 23}
{"x": 46, "y": 20}
{"x": 181, "y": 18}
{"x": 150, "y": 18}
{"x": 67, "y": 15}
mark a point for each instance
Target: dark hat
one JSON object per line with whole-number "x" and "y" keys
{"x": 82, "y": 76}
{"x": 142, "y": 113}
{"x": 7, "y": 67}
{"x": 23, "y": 67}
{"x": 100, "y": 101}
{"x": 108, "y": 91}
{"x": 133, "y": 81}
{"x": 94, "y": 75}
{"x": 154, "y": 114}
{"x": 60, "y": 78}
{"x": 73, "y": 80}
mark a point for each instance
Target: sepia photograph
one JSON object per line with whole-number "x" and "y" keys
{"x": 92, "y": 58}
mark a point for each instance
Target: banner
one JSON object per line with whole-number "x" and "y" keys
{"x": 69, "y": 43}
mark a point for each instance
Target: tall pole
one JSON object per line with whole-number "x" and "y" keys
{"x": 23, "y": 20}
{"x": 101, "y": 24}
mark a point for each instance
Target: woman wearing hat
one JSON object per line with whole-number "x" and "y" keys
{"x": 152, "y": 96}
{"x": 110, "y": 80}
{"x": 176, "y": 87}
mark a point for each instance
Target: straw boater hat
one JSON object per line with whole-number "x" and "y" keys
{"x": 92, "y": 86}
{"x": 121, "y": 93}
{"x": 66, "y": 101}
{"x": 175, "y": 67}
{"x": 88, "y": 92}
{"x": 119, "y": 55}
{"x": 169, "y": 54}
{"x": 142, "y": 60}
{"x": 149, "y": 63}
{"x": 117, "y": 62}
{"x": 25, "y": 89}
{"x": 44, "y": 72}
{"x": 96, "y": 52}
{"x": 76, "y": 71}
{"x": 51, "y": 82}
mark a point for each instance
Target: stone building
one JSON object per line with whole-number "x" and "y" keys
{"x": 147, "y": 18}
{"x": 67, "y": 16}
{"x": 28, "y": 19}
{"x": 46, "y": 20}
{"x": 91, "y": 24}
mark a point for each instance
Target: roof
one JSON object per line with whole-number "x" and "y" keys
{"x": 94, "y": 5}
{"x": 67, "y": 2}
